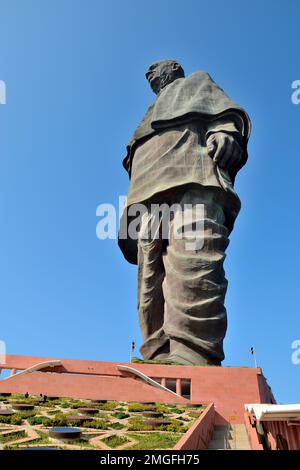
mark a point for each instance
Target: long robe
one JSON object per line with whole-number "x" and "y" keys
{"x": 195, "y": 104}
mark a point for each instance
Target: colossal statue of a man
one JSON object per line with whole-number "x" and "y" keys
{"x": 185, "y": 153}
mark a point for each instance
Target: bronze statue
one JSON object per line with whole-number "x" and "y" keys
{"x": 186, "y": 151}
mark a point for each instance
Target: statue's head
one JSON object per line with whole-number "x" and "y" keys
{"x": 163, "y": 72}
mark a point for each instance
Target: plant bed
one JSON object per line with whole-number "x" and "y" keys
{"x": 136, "y": 423}
{"x": 152, "y": 414}
{"x": 157, "y": 425}
{"x": 80, "y": 418}
{"x": 89, "y": 411}
{"x": 14, "y": 419}
{"x": 108, "y": 406}
{"x": 194, "y": 414}
{"x": 6, "y": 412}
{"x": 139, "y": 408}
{"x": 13, "y": 436}
{"x": 22, "y": 406}
{"x": 115, "y": 441}
{"x": 164, "y": 408}
{"x": 97, "y": 424}
{"x": 177, "y": 411}
{"x": 36, "y": 420}
{"x": 153, "y": 423}
{"x": 117, "y": 425}
{"x": 154, "y": 440}
{"x": 120, "y": 415}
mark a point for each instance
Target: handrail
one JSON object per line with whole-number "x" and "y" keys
{"x": 146, "y": 379}
{"x": 37, "y": 367}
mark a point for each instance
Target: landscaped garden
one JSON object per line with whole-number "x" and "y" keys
{"x": 26, "y": 421}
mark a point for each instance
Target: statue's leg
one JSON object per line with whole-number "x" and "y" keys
{"x": 151, "y": 274}
{"x": 195, "y": 285}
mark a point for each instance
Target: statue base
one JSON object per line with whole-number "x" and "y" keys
{"x": 228, "y": 388}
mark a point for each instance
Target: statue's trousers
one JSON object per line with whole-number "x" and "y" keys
{"x": 181, "y": 280}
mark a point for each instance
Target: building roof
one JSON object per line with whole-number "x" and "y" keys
{"x": 268, "y": 412}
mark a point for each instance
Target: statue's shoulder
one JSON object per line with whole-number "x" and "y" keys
{"x": 200, "y": 75}
{"x": 198, "y": 80}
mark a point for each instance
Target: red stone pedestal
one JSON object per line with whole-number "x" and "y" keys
{"x": 228, "y": 388}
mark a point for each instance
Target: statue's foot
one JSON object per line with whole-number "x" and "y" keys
{"x": 179, "y": 360}
{"x": 175, "y": 359}
{"x": 162, "y": 353}
{"x": 182, "y": 354}
{"x": 161, "y": 357}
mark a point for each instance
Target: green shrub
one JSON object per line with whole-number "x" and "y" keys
{"x": 16, "y": 419}
{"x": 136, "y": 407}
{"x": 46, "y": 404}
{"x": 120, "y": 415}
{"x": 34, "y": 420}
{"x": 117, "y": 426}
{"x": 23, "y": 399}
{"x": 65, "y": 405}
{"x": 103, "y": 415}
{"x": 115, "y": 441}
{"x": 154, "y": 441}
{"x": 177, "y": 411}
{"x": 194, "y": 414}
{"x": 44, "y": 435}
{"x": 13, "y": 419}
{"x": 174, "y": 427}
{"x": 177, "y": 427}
{"x": 97, "y": 424}
{"x": 110, "y": 405}
{"x": 12, "y": 436}
{"x": 16, "y": 396}
{"x": 77, "y": 404}
{"x": 136, "y": 423}
{"x": 26, "y": 414}
{"x": 59, "y": 419}
{"x": 163, "y": 408}
{"x": 6, "y": 419}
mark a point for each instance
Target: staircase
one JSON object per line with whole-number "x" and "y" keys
{"x": 229, "y": 437}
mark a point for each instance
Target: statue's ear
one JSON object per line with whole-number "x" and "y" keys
{"x": 175, "y": 66}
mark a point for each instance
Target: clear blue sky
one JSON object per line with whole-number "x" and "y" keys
{"x": 74, "y": 72}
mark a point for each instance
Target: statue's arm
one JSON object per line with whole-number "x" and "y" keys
{"x": 224, "y": 137}
{"x": 231, "y": 123}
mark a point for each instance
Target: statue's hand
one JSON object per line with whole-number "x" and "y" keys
{"x": 224, "y": 150}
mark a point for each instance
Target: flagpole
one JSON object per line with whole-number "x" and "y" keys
{"x": 131, "y": 351}
{"x": 253, "y": 352}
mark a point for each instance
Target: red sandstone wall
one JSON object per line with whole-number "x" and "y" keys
{"x": 229, "y": 388}
{"x": 252, "y": 434}
{"x": 89, "y": 387}
{"x": 199, "y": 435}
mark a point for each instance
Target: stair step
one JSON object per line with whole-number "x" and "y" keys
{"x": 231, "y": 438}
